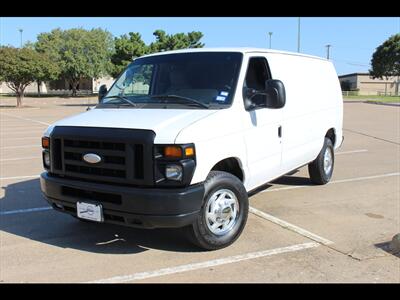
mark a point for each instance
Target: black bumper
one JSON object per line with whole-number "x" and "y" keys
{"x": 130, "y": 206}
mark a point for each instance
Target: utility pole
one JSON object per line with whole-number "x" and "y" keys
{"x": 270, "y": 35}
{"x": 20, "y": 31}
{"x": 298, "y": 35}
{"x": 327, "y": 50}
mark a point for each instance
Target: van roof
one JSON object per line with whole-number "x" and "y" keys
{"x": 235, "y": 49}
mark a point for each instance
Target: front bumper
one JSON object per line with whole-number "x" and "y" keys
{"x": 130, "y": 206}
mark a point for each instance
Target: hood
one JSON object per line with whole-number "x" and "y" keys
{"x": 166, "y": 123}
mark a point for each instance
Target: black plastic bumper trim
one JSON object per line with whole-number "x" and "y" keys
{"x": 139, "y": 207}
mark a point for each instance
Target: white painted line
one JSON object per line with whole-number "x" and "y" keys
{"x": 290, "y": 226}
{"x": 19, "y": 211}
{"x": 206, "y": 264}
{"x": 352, "y": 151}
{"x": 23, "y": 146}
{"x": 20, "y": 138}
{"x": 21, "y": 131}
{"x": 20, "y": 158}
{"x": 26, "y": 119}
{"x": 19, "y": 177}
{"x": 17, "y": 132}
{"x": 15, "y": 109}
{"x": 333, "y": 182}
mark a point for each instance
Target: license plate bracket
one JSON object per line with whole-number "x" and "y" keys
{"x": 90, "y": 211}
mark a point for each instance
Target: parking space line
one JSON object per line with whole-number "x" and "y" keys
{"x": 206, "y": 264}
{"x": 26, "y": 119}
{"x": 19, "y": 177}
{"x": 23, "y": 146}
{"x": 290, "y": 226}
{"x": 371, "y": 136}
{"x": 21, "y": 138}
{"x": 19, "y": 211}
{"x": 17, "y": 132}
{"x": 351, "y": 152}
{"x": 333, "y": 182}
{"x": 20, "y": 158}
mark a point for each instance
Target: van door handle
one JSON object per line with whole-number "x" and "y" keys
{"x": 280, "y": 131}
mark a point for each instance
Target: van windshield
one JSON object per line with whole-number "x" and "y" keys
{"x": 199, "y": 80}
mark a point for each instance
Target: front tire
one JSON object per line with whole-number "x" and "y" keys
{"x": 321, "y": 168}
{"x": 223, "y": 214}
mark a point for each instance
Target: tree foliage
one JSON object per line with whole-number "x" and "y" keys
{"x": 386, "y": 58}
{"x": 80, "y": 53}
{"x": 21, "y": 67}
{"x": 128, "y": 47}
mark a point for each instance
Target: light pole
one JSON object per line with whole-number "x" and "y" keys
{"x": 270, "y": 35}
{"x": 327, "y": 50}
{"x": 20, "y": 31}
{"x": 298, "y": 35}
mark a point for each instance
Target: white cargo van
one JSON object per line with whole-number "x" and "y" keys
{"x": 181, "y": 137}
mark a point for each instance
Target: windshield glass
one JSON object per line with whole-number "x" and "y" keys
{"x": 198, "y": 80}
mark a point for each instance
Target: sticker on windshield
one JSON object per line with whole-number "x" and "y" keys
{"x": 220, "y": 98}
{"x": 224, "y": 93}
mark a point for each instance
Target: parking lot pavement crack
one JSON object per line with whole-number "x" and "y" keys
{"x": 371, "y": 136}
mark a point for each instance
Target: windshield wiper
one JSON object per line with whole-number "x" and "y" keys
{"x": 121, "y": 98}
{"x": 187, "y": 99}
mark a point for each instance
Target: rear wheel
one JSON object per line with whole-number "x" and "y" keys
{"x": 321, "y": 168}
{"x": 224, "y": 212}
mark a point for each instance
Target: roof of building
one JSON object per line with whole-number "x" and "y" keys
{"x": 353, "y": 74}
{"x": 234, "y": 49}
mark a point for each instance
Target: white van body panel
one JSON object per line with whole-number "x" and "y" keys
{"x": 166, "y": 123}
{"x": 314, "y": 105}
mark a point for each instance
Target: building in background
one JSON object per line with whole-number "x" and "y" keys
{"x": 61, "y": 87}
{"x": 364, "y": 84}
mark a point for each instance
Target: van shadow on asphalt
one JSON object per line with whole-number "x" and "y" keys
{"x": 62, "y": 230}
{"x": 287, "y": 179}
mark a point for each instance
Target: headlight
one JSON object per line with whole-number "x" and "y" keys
{"x": 46, "y": 159}
{"x": 174, "y": 172}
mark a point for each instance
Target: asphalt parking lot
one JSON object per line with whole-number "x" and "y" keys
{"x": 296, "y": 232}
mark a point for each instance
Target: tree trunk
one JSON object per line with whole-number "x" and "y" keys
{"x": 20, "y": 98}
{"x": 74, "y": 84}
{"x": 38, "y": 87}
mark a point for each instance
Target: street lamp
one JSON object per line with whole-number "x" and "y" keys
{"x": 327, "y": 50}
{"x": 270, "y": 35}
{"x": 298, "y": 35}
{"x": 20, "y": 31}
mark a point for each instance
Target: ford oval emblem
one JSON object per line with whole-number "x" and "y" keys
{"x": 92, "y": 158}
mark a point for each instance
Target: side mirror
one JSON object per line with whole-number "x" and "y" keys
{"x": 276, "y": 93}
{"x": 102, "y": 91}
{"x": 274, "y": 96}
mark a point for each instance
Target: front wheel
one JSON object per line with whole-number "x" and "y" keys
{"x": 321, "y": 168}
{"x": 223, "y": 214}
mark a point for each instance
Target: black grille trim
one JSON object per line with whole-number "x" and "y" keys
{"x": 126, "y": 154}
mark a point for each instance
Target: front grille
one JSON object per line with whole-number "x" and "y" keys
{"x": 126, "y": 154}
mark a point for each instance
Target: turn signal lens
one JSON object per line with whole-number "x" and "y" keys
{"x": 45, "y": 142}
{"x": 189, "y": 151}
{"x": 173, "y": 151}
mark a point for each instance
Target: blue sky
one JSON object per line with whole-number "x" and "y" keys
{"x": 353, "y": 39}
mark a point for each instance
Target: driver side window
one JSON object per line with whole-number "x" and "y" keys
{"x": 256, "y": 76}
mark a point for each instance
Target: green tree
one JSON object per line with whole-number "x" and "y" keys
{"x": 127, "y": 47}
{"x": 386, "y": 60}
{"x": 165, "y": 42}
{"x": 21, "y": 67}
{"x": 80, "y": 53}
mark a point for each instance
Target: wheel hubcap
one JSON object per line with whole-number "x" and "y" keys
{"x": 222, "y": 211}
{"x": 328, "y": 161}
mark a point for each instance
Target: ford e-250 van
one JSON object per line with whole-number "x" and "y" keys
{"x": 182, "y": 137}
